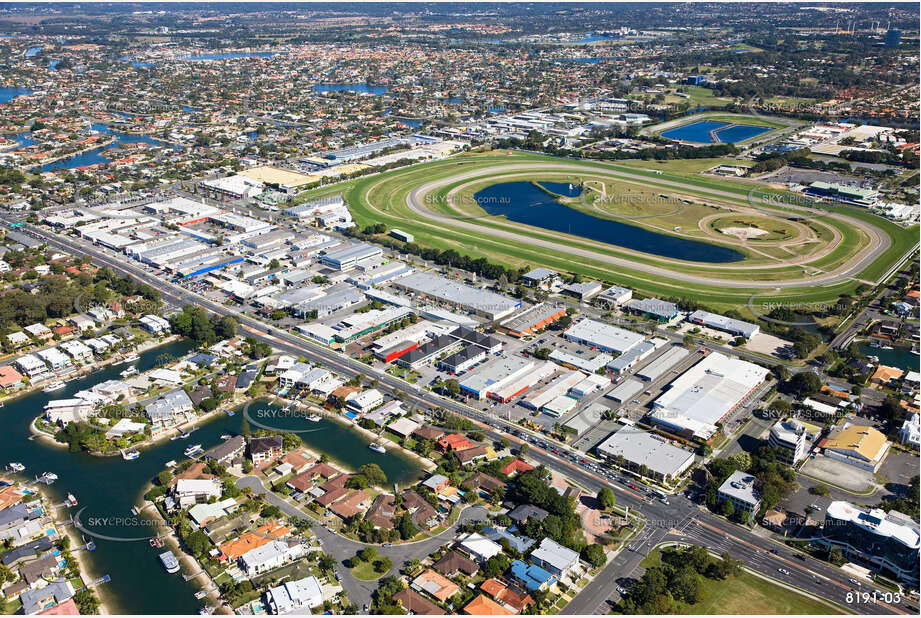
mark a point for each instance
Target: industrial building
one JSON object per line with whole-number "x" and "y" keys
{"x": 462, "y": 360}
{"x": 495, "y": 375}
{"x": 352, "y": 256}
{"x": 458, "y": 295}
{"x": 658, "y": 367}
{"x": 440, "y": 344}
{"x": 614, "y": 296}
{"x": 581, "y": 361}
{"x": 233, "y": 187}
{"x": 861, "y": 446}
{"x": 533, "y": 319}
{"x": 705, "y": 394}
{"x": 643, "y": 452}
{"x": 653, "y": 308}
{"x": 559, "y": 386}
{"x": 721, "y": 322}
{"x": 603, "y": 336}
{"x": 634, "y": 355}
{"x": 358, "y": 325}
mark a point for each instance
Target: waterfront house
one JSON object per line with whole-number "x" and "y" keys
{"x": 41, "y": 599}
{"x": 168, "y": 408}
{"x": 231, "y": 550}
{"x": 266, "y": 449}
{"x": 295, "y": 596}
{"x": 192, "y": 491}
{"x": 422, "y": 513}
{"x": 436, "y": 482}
{"x": 10, "y": 378}
{"x": 17, "y": 339}
{"x": 225, "y": 452}
{"x": 201, "y": 514}
{"x": 33, "y": 366}
{"x": 39, "y": 332}
{"x": 270, "y": 556}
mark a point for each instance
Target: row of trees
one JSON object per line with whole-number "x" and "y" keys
{"x": 202, "y": 327}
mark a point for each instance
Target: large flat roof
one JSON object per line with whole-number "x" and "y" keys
{"x": 482, "y": 301}
{"x": 605, "y": 336}
{"x": 643, "y": 448}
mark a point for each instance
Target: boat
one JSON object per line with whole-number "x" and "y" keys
{"x": 169, "y": 562}
{"x": 135, "y": 510}
{"x": 192, "y": 450}
{"x": 873, "y": 359}
{"x": 226, "y": 436}
{"x": 171, "y": 463}
{"x": 156, "y": 542}
{"x": 130, "y": 371}
{"x": 201, "y": 594}
{"x": 71, "y": 500}
{"x": 48, "y": 478}
{"x": 314, "y": 418}
{"x": 886, "y": 347}
{"x": 88, "y": 543}
{"x": 131, "y": 455}
{"x": 377, "y": 448}
{"x": 15, "y": 466}
{"x": 54, "y": 386}
{"x": 131, "y": 358}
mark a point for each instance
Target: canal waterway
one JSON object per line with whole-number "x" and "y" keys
{"x": 901, "y": 358}
{"x": 97, "y": 155}
{"x": 108, "y": 487}
{"x": 523, "y": 202}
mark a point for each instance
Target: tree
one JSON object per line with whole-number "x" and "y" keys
{"x": 497, "y": 565}
{"x": 804, "y": 384}
{"x": 606, "y": 498}
{"x": 594, "y": 555}
{"x": 368, "y": 554}
{"x": 198, "y": 543}
{"x": 374, "y": 474}
{"x": 727, "y": 508}
{"x": 382, "y": 565}
{"x": 406, "y": 527}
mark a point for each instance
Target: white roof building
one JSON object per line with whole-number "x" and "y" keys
{"x": 554, "y": 557}
{"x": 603, "y": 336}
{"x": 295, "y": 595}
{"x": 479, "y": 547}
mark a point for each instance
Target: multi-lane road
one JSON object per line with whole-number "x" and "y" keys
{"x": 680, "y": 520}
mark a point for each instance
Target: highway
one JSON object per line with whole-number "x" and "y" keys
{"x": 678, "y": 520}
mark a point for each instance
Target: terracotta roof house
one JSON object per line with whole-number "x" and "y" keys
{"x": 453, "y": 563}
{"x": 337, "y": 482}
{"x": 9, "y": 377}
{"x": 435, "y": 584}
{"x": 482, "y": 605}
{"x": 423, "y": 514}
{"x": 350, "y": 506}
{"x": 454, "y": 442}
{"x": 515, "y": 466}
{"x": 511, "y": 599}
{"x": 332, "y": 496}
{"x": 266, "y": 533}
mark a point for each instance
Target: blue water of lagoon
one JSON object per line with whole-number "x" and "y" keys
{"x": 95, "y": 156}
{"x": 703, "y": 132}
{"x": 411, "y": 122}
{"x": 33, "y": 51}
{"x": 8, "y": 94}
{"x": 523, "y": 202}
{"x": 356, "y": 87}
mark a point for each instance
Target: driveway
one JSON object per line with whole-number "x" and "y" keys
{"x": 341, "y": 548}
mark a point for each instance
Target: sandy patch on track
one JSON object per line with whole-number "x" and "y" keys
{"x": 743, "y": 232}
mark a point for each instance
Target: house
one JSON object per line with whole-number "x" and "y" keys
{"x": 427, "y": 432}
{"x": 18, "y": 339}
{"x": 469, "y": 455}
{"x": 516, "y": 466}
{"x": 165, "y": 410}
{"x": 554, "y": 557}
{"x": 423, "y": 514}
{"x": 884, "y": 376}
{"x": 415, "y": 603}
{"x": 436, "y": 482}
{"x": 479, "y": 547}
{"x": 55, "y": 359}
{"x": 262, "y": 450}
{"x": 192, "y": 491}
{"x": 353, "y": 503}
{"x": 227, "y": 451}
{"x": 35, "y": 601}
{"x": 403, "y": 427}
{"x": 81, "y": 323}
{"x": 532, "y": 576}
{"x": 482, "y": 605}
{"x": 201, "y": 514}
{"x": 365, "y": 401}
{"x": 523, "y": 512}
{"x": 454, "y": 442}
{"x": 39, "y": 332}
{"x": 10, "y": 378}
{"x": 295, "y": 595}
{"x": 270, "y": 556}
{"x": 232, "y": 550}
{"x": 452, "y": 563}
{"x": 483, "y": 482}
{"x": 436, "y": 585}
{"x": 382, "y": 511}
{"x": 32, "y": 366}
{"x": 78, "y": 351}
{"x": 521, "y": 544}
{"x": 510, "y": 599}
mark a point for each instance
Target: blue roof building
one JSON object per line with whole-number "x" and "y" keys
{"x": 532, "y": 576}
{"x": 521, "y": 544}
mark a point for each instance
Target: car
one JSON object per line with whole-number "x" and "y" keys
{"x": 854, "y": 581}
{"x": 775, "y": 552}
{"x": 783, "y": 571}
{"x": 663, "y": 500}
{"x": 338, "y": 576}
{"x": 800, "y": 557}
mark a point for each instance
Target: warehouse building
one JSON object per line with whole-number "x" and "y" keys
{"x": 401, "y": 235}
{"x": 358, "y": 325}
{"x": 634, "y": 355}
{"x": 603, "y": 336}
{"x": 614, "y": 296}
{"x": 438, "y": 345}
{"x": 581, "y": 361}
{"x": 533, "y": 319}
{"x": 626, "y": 390}
{"x": 233, "y": 187}
{"x": 462, "y": 360}
{"x": 657, "y": 368}
{"x": 352, "y": 256}
{"x": 653, "y": 308}
{"x": 489, "y": 343}
{"x": 643, "y": 452}
{"x": 705, "y": 394}
{"x": 583, "y": 291}
{"x": 721, "y": 322}
{"x": 458, "y": 295}
{"x": 559, "y": 386}
{"x": 495, "y": 375}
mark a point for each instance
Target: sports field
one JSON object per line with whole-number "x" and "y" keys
{"x": 807, "y": 254}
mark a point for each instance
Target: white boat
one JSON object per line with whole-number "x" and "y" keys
{"x": 48, "y": 478}
{"x": 131, "y": 455}
{"x": 15, "y": 466}
{"x": 130, "y": 371}
{"x": 377, "y": 448}
{"x": 192, "y": 450}
{"x": 54, "y": 386}
{"x": 169, "y": 562}
{"x": 171, "y": 463}
{"x": 71, "y": 500}
{"x": 886, "y": 347}
{"x": 226, "y": 436}
{"x": 314, "y": 418}
{"x": 201, "y": 594}
{"x": 131, "y": 358}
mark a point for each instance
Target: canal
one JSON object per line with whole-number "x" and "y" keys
{"x": 523, "y": 202}
{"x": 108, "y": 487}
{"x": 899, "y": 357}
